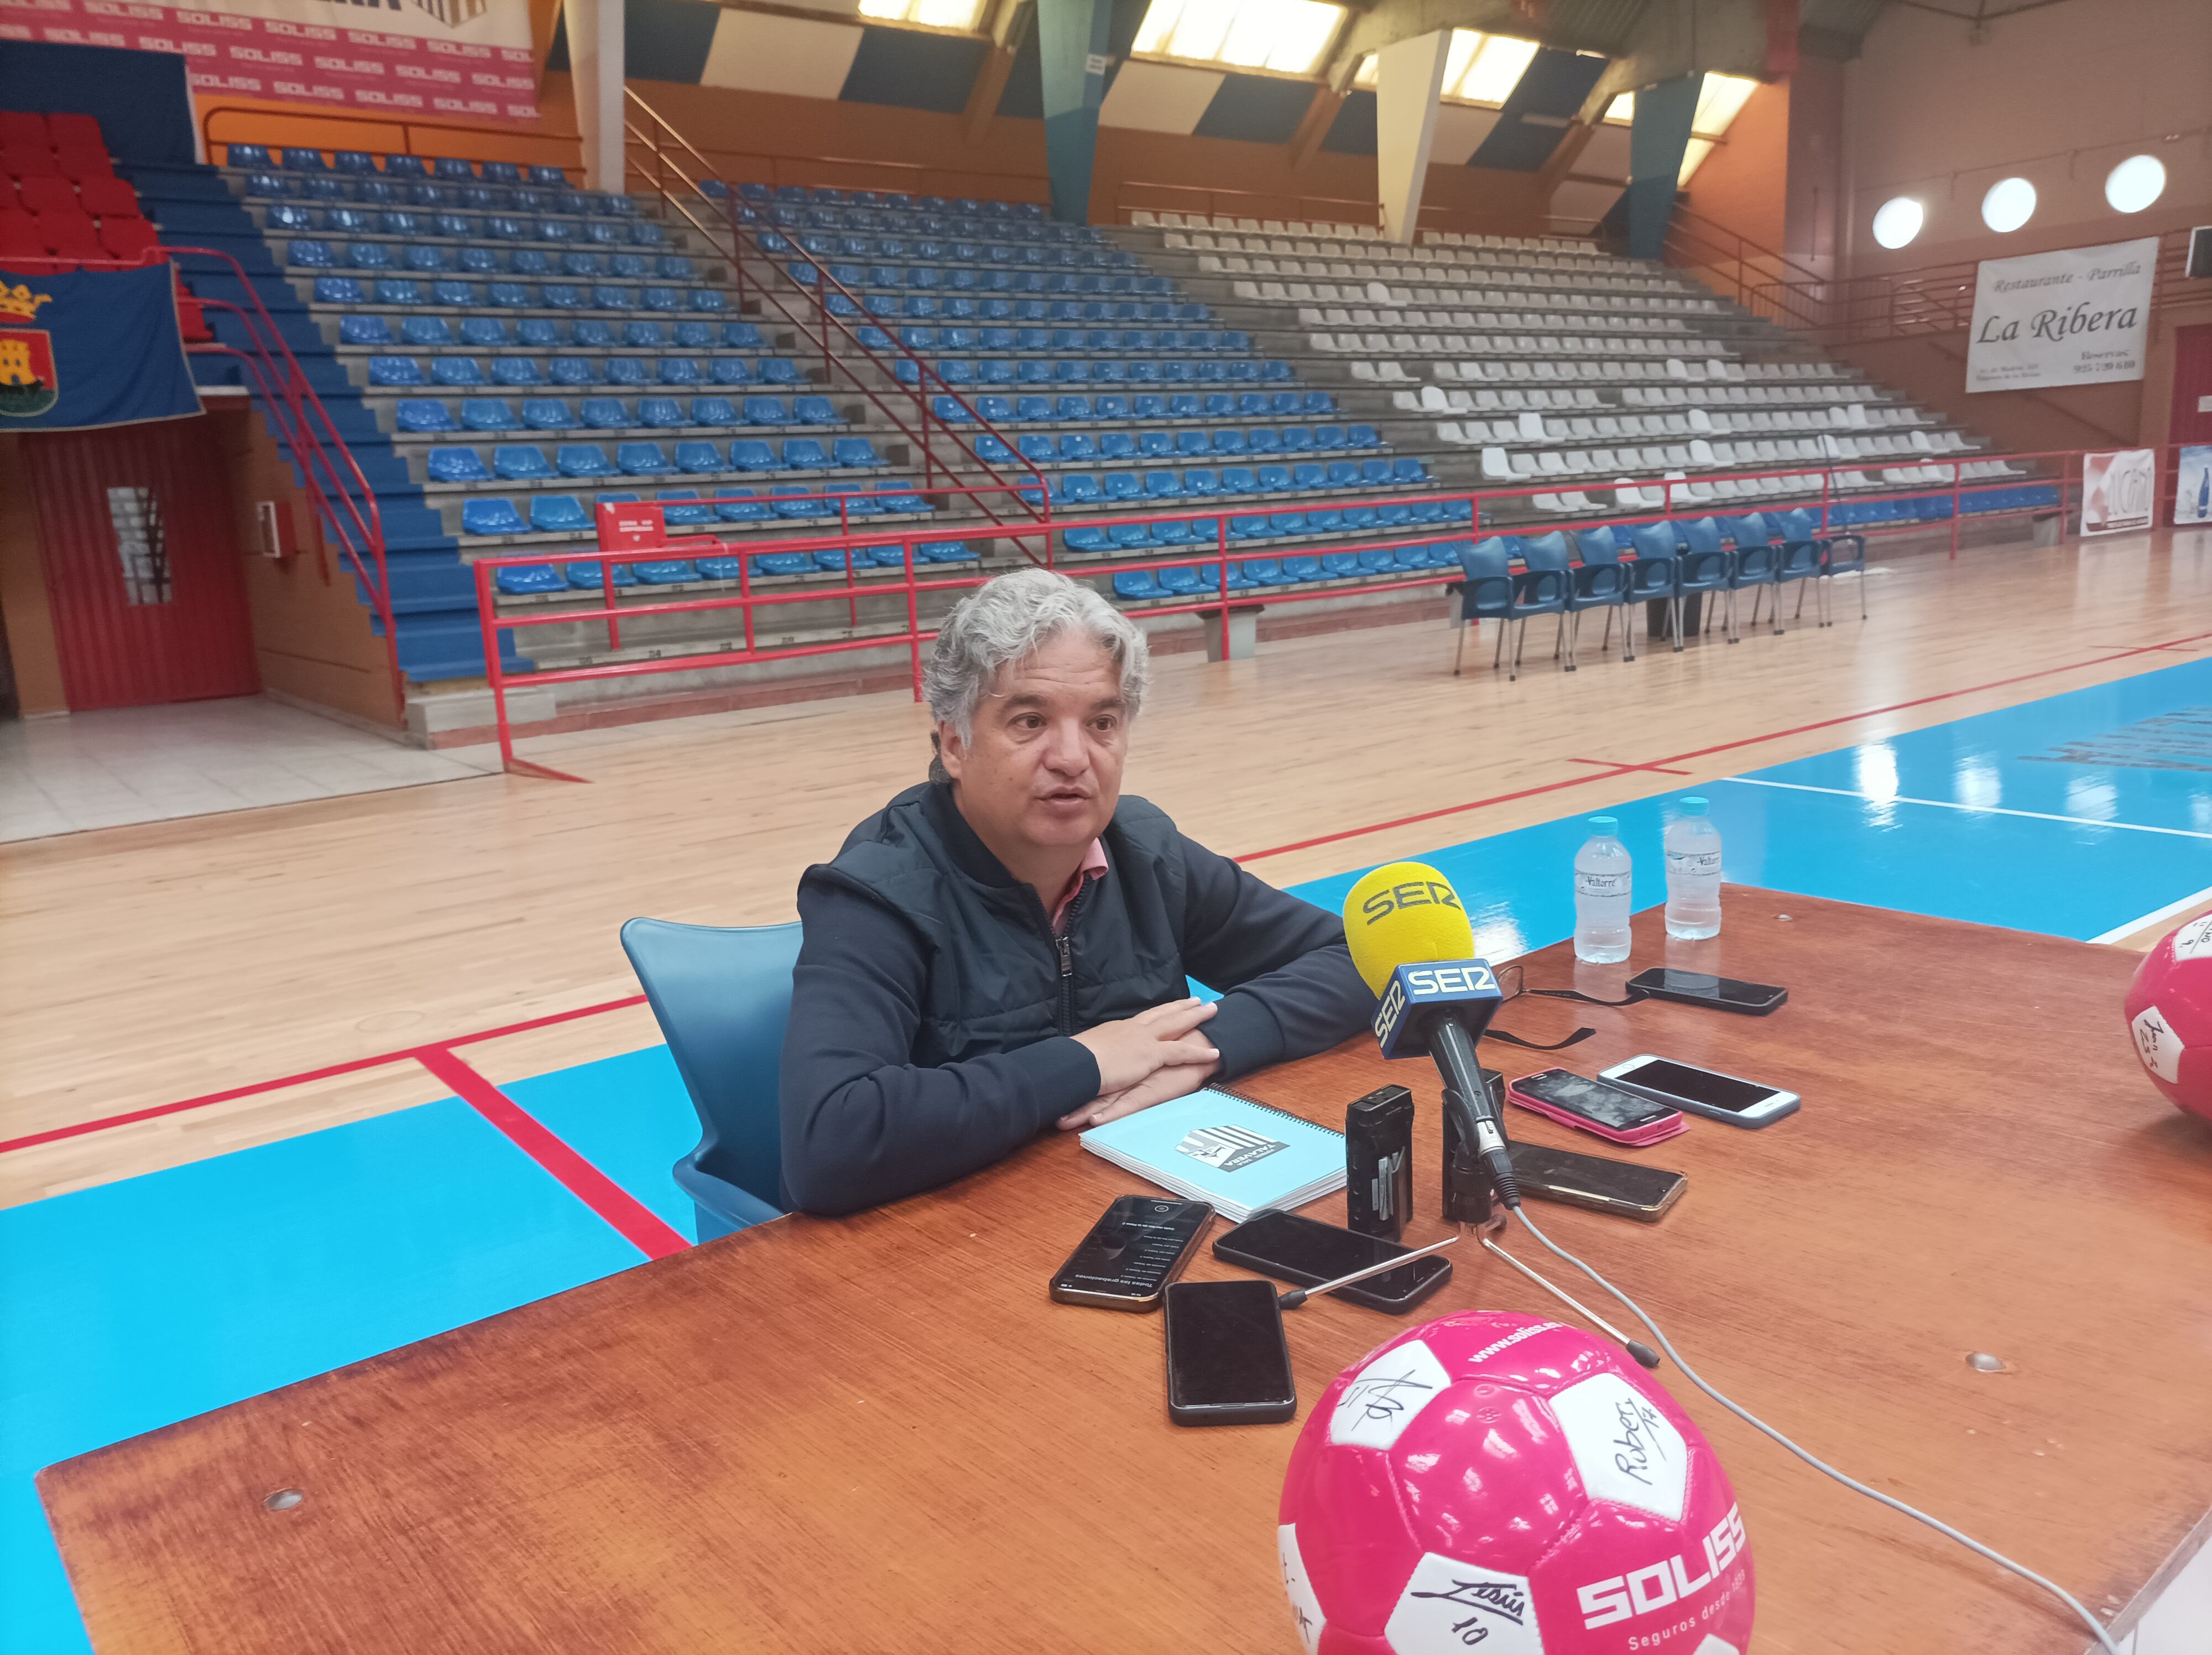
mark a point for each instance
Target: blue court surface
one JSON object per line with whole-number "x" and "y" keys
{"x": 131, "y": 1305}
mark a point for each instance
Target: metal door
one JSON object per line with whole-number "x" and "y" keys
{"x": 141, "y": 562}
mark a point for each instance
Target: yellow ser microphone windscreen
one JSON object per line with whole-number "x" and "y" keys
{"x": 1404, "y": 914}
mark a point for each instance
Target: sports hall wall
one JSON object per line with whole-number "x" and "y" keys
{"x": 2057, "y": 95}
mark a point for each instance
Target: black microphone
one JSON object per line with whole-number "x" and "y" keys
{"x": 1411, "y": 941}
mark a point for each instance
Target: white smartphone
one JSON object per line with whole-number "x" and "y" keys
{"x": 1702, "y": 1092}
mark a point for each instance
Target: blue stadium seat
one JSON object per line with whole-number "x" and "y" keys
{"x": 805, "y": 453}
{"x": 561, "y": 514}
{"x": 586, "y": 577}
{"x": 364, "y": 330}
{"x": 751, "y": 455}
{"x": 456, "y": 465}
{"x": 682, "y": 515}
{"x": 669, "y": 571}
{"x": 815, "y": 410}
{"x": 523, "y": 579}
{"x": 679, "y": 370}
{"x": 548, "y": 414}
{"x": 744, "y": 509}
{"x": 697, "y": 457}
{"x": 766, "y": 411}
{"x": 489, "y": 413}
{"x": 394, "y": 370}
{"x": 604, "y": 414}
{"x": 855, "y": 451}
{"x": 491, "y": 514}
{"x": 714, "y": 410}
{"x": 456, "y": 371}
{"x": 424, "y": 414}
{"x": 520, "y": 463}
{"x": 661, "y": 413}
{"x": 641, "y": 459}
{"x": 515, "y": 370}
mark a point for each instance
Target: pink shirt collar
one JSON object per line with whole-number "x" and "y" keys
{"x": 1094, "y": 867}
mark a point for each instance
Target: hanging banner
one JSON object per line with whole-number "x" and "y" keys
{"x": 91, "y": 348}
{"x": 2119, "y": 492}
{"x": 455, "y": 58}
{"x": 2080, "y": 316}
{"x": 2192, "y": 488}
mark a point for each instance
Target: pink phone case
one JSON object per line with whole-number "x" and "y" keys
{"x": 1661, "y": 1129}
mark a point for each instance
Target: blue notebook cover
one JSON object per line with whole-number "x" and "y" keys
{"x": 1240, "y": 1155}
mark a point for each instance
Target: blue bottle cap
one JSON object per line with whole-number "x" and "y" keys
{"x": 1693, "y": 805}
{"x": 1605, "y": 825}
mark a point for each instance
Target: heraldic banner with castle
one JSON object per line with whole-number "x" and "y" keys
{"x": 91, "y": 348}
{"x": 467, "y": 60}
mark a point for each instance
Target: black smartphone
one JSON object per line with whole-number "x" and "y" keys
{"x": 1592, "y": 1181}
{"x": 1305, "y": 1252}
{"x": 1228, "y": 1362}
{"x": 1702, "y": 989}
{"x": 1132, "y": 1253}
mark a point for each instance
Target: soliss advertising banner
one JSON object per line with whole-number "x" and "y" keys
{"x": 451, "y": 59}
{"x": 2192, "y": 493}
{"x": 2079, "y": 316}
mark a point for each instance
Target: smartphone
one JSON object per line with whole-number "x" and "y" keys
{"x": 1624, "y": 1188}
{"x": 1702, "y": 989}
{"x": 1305, "y": 1252}
{"x": 1228, "y": 1362}
{"x": 1618, "y": 1115}
{"x": 1703, "y": 1091}
{"x": 1136, "y": 1248}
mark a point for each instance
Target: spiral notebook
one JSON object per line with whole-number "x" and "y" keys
{"x": 1214, "y": 1146}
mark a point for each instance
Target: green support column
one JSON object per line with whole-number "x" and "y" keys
{"x": 1071, "y": 36}
{"x": 1656, "y": 144}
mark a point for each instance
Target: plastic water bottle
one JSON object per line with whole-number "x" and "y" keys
{"x": 1693, "y": 872}
{"x": 1602, "y": 895}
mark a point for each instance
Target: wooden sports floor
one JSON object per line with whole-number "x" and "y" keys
{"x": 143, "y": 965}
{"x": 283, "y": 1090}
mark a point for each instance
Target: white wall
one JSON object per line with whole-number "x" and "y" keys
{"x": 2058, "y": 95}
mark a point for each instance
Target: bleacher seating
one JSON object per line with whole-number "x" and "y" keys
{"x": 506, "y": 340}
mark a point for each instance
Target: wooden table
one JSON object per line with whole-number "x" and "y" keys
{"x": 878, "y": 1434}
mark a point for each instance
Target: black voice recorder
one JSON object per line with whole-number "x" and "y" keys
{"x": 1378, "y": 1163}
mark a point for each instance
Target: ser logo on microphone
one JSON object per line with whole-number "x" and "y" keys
{"x": 1413, "y": 893}
{"x": 1435, "y": 983}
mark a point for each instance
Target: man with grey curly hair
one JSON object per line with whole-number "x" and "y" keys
{"x": 1008, "y": 944}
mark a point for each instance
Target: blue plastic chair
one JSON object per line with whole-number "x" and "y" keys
{"x": 722, "y": 997}
{"x": 1600, "y": 582}
{"x": 1702, "y": 565}
{"x": 1757, "y": 559}
{"x": 1804, "y": 551}
{"x": 1541, "y": 589}
{"x": 1652, "y": 577}
{"x": 1487, "y": 593}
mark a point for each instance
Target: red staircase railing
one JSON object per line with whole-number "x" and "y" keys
{"x": 1832, "y": 311}
{"x": 300, "y": 422}
{"x": 668, "y": 158}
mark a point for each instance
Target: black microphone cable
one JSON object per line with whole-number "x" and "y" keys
{"x": 2104, "y": 1638}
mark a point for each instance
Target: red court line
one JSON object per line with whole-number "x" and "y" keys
{"x": 1615, "y": 764}
{"x": 83, "y": 1127}
{"x": 636, "y": 1223}
{"x": 1701, "y": 752}
{"x": 350, "y": 1066}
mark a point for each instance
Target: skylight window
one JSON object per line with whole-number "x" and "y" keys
{"x": 929, "y": 14}
{"x": 1720, "y": 100}
{"x": 1286, "y": 36}
{"x": 1479, "y": 68}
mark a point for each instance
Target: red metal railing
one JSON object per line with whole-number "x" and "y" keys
{"x": 1928, "y": 299}
{"x": 665, "y": 149}
{"x": 300, "y": 422}
{"x": 292, "y": 126}
{"x": 913, "y": 582}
